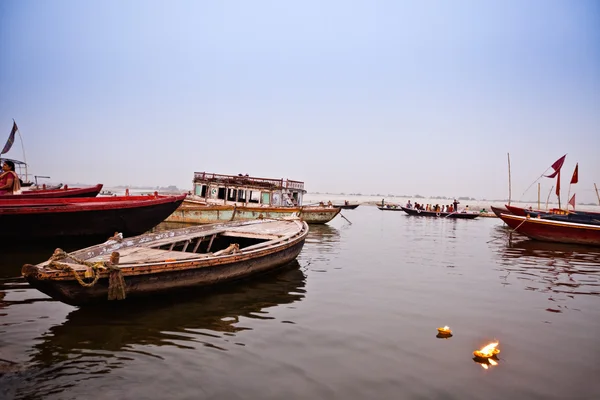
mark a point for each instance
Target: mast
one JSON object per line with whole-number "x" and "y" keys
{"x": 538, "y": 196}
{"x": 509, "y": 185}
{"x": 24, "y": 159}
{"x": 548, "y": 199}
{"x": 598, "y": 195}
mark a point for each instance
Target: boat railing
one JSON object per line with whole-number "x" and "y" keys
{"x": 244, "y": 180}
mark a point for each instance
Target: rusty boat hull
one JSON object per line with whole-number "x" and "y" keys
{"x": 193, "y": 212}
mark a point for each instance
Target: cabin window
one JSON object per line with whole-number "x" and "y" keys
{"x": 266, "y": 196}
{"x": 221, "y": 194}
{"x": 200, "y": 190}
{"x": 254, "y": 197}
{"x": 241, "y": 195}
{"x": 231, "y": 194}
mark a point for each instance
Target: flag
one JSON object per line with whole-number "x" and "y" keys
{"x": 11, "y": 138}
{"x": 575, "y": 177}
{"x": 557, "y": 166}
{"x": 557, "y": 183}
{"x": 572, "y": 201}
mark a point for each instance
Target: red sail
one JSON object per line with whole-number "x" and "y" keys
{"x": 575, "y": 177}
{"x": 557, "y": 166}
{"x": 572, "y": 201}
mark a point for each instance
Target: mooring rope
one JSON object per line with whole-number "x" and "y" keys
{"x": 116, "y": 283}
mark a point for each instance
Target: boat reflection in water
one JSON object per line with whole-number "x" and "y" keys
{"x": 322, "y": 242}
{"x": 562, "y": 270}
{"x": 96, "y": 340}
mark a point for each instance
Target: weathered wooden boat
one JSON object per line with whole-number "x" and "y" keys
{"x": 220, "y": 198}
{"x": 455, "y": 215}
{"x": 165, "y": 261}
{"x": 64, "y": 192}
{"x": 38, "y": 218}
{"x": 346, "y": 206}
{"x": 553, "y": 231}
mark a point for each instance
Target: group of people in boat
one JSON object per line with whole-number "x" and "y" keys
{"x": 448, "y": 208}
{"x": 9, "y": 180}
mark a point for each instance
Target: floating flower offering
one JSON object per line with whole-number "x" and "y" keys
{"x": 444, "y": 332}
{"x": 488, "y": 351}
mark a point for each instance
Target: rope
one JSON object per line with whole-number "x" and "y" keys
{"x": 511, "y": 232}
{"x": 116, "y": 283}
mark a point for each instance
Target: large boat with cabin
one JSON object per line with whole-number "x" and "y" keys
{"x": 219, "y": 198}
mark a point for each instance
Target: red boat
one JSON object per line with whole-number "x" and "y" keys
{"x": 64, "y": 192}
{"x": 74, "y": 217}
{"x": 554, "y": 231}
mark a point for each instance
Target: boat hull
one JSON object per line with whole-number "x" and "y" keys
{"x": 180, "y": 275}
{"x": 208, "y": 214}
{"x": 554, "y": 231}
{"x": 347, "y": 206}
{"x": 64, "y": 193}
{"x": 40, "y": 220}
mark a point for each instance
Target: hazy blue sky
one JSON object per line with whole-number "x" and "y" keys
{"x": 369, "y": 96}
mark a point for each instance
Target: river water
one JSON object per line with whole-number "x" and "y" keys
{"x": 355, "y": 317}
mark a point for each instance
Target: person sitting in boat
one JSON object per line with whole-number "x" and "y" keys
{"x": 9, "y": 180}
{"x": 329, "y": 203}
{"x": 346, "y": 202}
{"x": 408, "y": 205}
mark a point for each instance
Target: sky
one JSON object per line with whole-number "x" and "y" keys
{"x": 393, "y": 97}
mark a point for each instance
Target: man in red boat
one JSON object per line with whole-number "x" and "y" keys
{"x": 9, "y": 181}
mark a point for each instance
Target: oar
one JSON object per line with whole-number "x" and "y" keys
{"x": 345, "y": 219}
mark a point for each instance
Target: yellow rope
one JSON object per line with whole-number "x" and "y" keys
{"x": 116, "y": 285}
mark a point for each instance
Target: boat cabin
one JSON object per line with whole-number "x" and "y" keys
{"x": 248, "y": 190}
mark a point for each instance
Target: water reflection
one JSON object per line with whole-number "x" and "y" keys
{"x": 562, "y": 270}
{"x": 94, "y": 341}
{"x": 321, "y": 243}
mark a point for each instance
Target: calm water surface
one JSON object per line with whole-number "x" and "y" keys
{"x": 354, "y": 318}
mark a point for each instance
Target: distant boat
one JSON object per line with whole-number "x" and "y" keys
{"x": 454, "y": 215}
{"x": 554, "y": 231}
{"x": 221, "y": 198}
{"x": 166, "y": 261}
{"x": 37, "y": 218}
{"x": 346, "y": 206}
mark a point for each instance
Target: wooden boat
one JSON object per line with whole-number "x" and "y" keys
{"x": 165, "y": 261}
{"x": 455, "y": 215}
{"x": 554, "y": 231}
{"x": 38, "y": 218}
{"x": 346, "y": 206}
{"x": 64, "y": 192}
{"x": 221, "y": 198}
